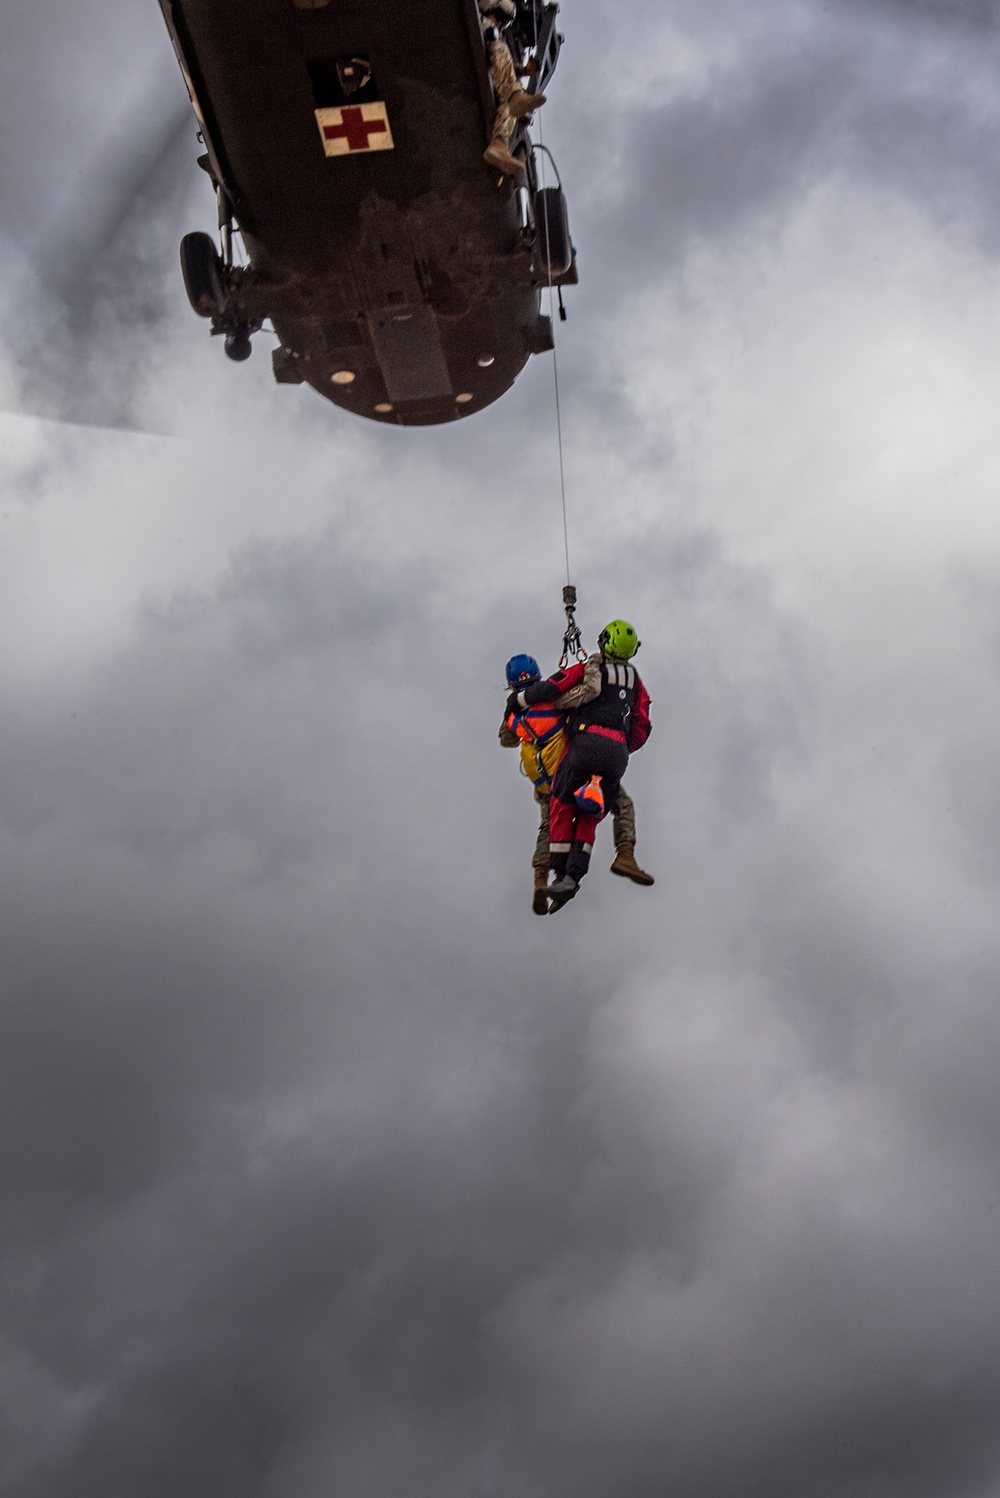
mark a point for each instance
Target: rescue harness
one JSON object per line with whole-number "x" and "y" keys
{"x": 543, "y": 742}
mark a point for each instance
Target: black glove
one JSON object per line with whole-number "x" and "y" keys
{"x": 514, "y": 704}
{"x": 539, "y": 691}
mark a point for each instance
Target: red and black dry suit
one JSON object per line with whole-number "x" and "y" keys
{"x": 602, "y": 732}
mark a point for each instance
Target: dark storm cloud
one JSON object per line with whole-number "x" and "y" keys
{"x": 977, "y": 15}
{"x": 80, "y": 86}
{"x": 98, "y": 139}
{"x": 85, "y": 324}
{"x": 903, "y": 96}
{"x": 287, "y": 1129}
{"x": 325, "y": 1168}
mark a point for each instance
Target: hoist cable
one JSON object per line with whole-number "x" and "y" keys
{"x": 544, "y": 152}
{"x": 572, "y": 643}
{"x": 562, "y": 468}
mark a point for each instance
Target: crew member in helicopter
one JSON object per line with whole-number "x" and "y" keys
{"x": 513, "y": 101}
{"x": 540, "y": 733}
{"x": 612, "y": 722}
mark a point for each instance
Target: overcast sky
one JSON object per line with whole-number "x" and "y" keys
{"x": 330, "y": 1171}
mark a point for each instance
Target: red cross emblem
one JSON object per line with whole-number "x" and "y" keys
{"x": 354, "y": 127}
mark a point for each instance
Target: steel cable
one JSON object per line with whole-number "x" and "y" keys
{"x": 543, "y": 152}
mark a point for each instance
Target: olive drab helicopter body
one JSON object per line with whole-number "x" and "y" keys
{"x": 345, "y": 142}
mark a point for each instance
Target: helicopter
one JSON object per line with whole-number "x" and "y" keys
{"x": 345, "y": 142}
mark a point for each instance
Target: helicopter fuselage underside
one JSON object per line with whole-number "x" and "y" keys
{"x": 398, "y": 279}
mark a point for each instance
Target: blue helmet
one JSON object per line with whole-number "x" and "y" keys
{"x": 522, "y": 669}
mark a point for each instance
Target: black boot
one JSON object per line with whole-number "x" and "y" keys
{"x": 578, "y": 861}
{"x": 561, "y": 892}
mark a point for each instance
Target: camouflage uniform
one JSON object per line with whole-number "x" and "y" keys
{"x": 506, "y": 85}
{"x": 513, "y": 100}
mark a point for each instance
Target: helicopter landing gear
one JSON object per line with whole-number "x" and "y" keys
{"x": 203, "y": 272}
{"x": 213, "y": 282}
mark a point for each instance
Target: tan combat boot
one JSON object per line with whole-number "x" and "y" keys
{"x": 626, "y": 866}
{"x": 540, "y": 902}
{"x": 523, "y": 103}
{"x": 498, "y": 156}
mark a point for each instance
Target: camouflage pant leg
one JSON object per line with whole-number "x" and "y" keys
{"x": 540, "y": 857}
{"x": 505, "y": 83}
{"x": 624, "y": 814}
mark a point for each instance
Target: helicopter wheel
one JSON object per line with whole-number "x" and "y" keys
{"x": 238, "y": 346}
{"x": 553, "y": 242}
{"x": 204, "y": 274}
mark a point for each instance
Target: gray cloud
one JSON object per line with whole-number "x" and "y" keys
{"x": 902, "y": 95}
{"x": 325, "y": 1166}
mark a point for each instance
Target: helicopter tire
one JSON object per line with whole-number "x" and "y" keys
{"x": 203, "y": 272}
{"x": 553, "y": 243}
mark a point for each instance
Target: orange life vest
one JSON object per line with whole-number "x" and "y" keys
{"x": 536, "y": 725}
{"x": 543, "y": 743}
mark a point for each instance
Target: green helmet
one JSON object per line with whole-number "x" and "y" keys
{"x": 618, "y": 640}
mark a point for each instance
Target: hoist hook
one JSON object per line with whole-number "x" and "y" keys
{"x": 572, "y": 641}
